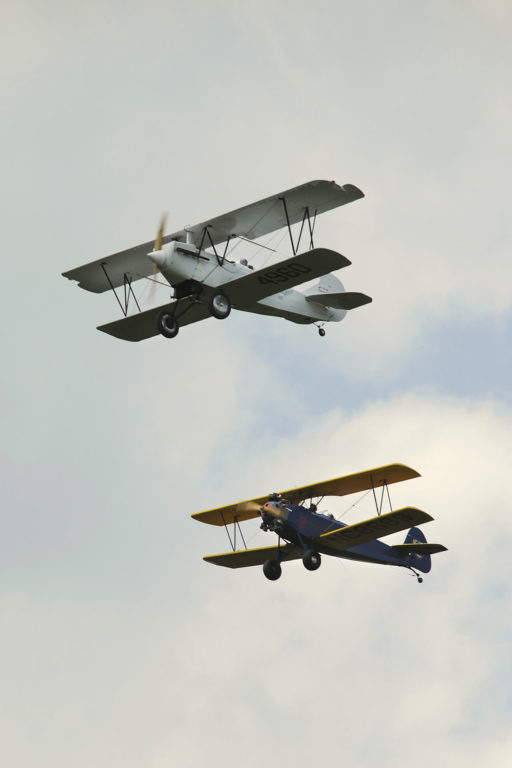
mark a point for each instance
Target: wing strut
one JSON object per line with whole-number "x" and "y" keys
{"x": 127, "y": 287}
{"x": 306, "y": 216}
{"x": 206, "y": 233}
{"x": 236, "y": 525}
{"x": 385, "y": 487}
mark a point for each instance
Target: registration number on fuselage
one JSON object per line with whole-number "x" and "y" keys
{"x": 283, "y": 274}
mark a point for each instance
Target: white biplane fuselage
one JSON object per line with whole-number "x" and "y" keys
{"x": 176, "y": 265}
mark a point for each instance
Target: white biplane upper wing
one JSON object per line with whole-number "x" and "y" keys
{"x": 265, "y": 216}
{"x": 251, "y": 221}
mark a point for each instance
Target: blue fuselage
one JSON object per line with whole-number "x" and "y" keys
{"x": 304, "y": 527}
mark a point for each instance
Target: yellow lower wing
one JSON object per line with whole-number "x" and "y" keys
{"x": 246, "y": 557}
{"x": 374, "y": 528}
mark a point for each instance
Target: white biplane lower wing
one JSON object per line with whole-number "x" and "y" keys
{"x": 294, "y": 205}
{"x": 243, "y": 292}
{"x": 143, "y": 325}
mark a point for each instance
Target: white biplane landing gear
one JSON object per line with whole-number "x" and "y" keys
{"x": 219, "y": 306}
{"x": 321, "y": 331}
{"x": 167, "y": 325}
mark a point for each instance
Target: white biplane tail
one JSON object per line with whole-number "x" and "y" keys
{"x": 329, "y": 292}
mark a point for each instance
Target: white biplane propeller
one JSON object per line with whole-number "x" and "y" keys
{"x": 207, "y": 283}
{"x": 157, "y": 249}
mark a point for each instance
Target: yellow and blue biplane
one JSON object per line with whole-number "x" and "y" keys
{"x": 306, "y": 534}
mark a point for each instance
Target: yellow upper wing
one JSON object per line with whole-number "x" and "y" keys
{"x": 338, "y": 486}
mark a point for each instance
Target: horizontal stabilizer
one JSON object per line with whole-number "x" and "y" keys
{"x": 143, "y": 324}
{"x": 360, "y": 533}
{"x": 247, "y": 557}
{"x": 345, "y": 300}
{"x": 338, "y": 486}
{"x": 423, "y": 548}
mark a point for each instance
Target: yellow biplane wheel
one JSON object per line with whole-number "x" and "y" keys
{"x": 312, "y": 560}
{"x": 272, "y": 570}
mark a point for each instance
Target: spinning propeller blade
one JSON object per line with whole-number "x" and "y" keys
{"x": 157, "y": 247}
{"x": 249, "y": 506}
{"x": 160, "y": 235}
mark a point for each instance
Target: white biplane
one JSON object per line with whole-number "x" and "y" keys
{"x": 207, "y": 283}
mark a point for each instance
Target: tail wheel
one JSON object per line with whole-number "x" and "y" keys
{"x": 219, "y": 306}
{"x": 167, "y": 325}
{"x": 272, "y": 569}
{"x": 312, "y": 560}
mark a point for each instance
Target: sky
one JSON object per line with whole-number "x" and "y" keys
{"x": 118, "y": 643}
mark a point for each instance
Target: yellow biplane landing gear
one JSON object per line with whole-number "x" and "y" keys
{"x": 312, "y": 560}
{"x": 418, "y": 577}
{"x": 272, "y": 569}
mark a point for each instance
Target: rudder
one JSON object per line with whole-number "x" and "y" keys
{"x": 423, "y": 563}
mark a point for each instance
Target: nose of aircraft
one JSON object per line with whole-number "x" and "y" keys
{"x": 158, "y": 258}
{"x": 271, "y": 508}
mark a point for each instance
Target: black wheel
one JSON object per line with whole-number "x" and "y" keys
{"x": 167, "y": 325}
{"x": 420, "y": 580}
{"x": 272, "y": 570}
{"x": 219, "y": 306}
{"x": 321, "y": 331}
{"x": 311, "y": 559}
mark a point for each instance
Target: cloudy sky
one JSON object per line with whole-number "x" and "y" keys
{"x": 119, "y": 645}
